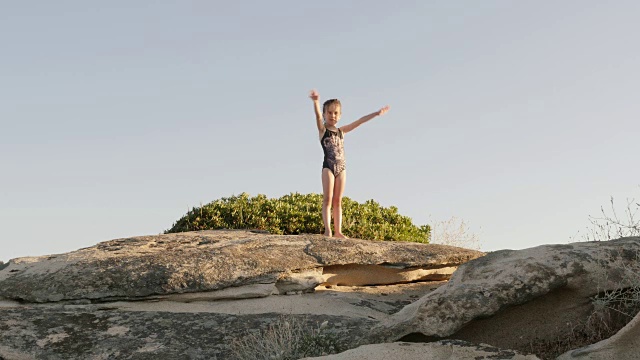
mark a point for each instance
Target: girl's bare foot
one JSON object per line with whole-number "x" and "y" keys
{"x": 341, "y": 236}
{"x": 327, "y": 234}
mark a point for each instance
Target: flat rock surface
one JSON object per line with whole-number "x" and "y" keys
{"x": 140, "y": 267}
{"x": 189, "y": 330}
{"x": 441, "y": 350}
{"x": 80, "y": 332}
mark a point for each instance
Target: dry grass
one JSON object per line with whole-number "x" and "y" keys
{"x": 612, "y": 309}
{"x": 454, "y": 232}
{"x": 609, "y": 225}
{"x": 611, "y": 313}
{"x": 287, "y": 339}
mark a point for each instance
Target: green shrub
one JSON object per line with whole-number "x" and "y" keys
{"x": 301, "y": 213}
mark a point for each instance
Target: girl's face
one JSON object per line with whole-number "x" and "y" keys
{"x": 332, "y": 114}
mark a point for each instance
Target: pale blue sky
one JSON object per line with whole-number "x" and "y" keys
{"x": 116, "y": 117}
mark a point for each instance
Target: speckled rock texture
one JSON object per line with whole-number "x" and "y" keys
{"x": 190, "y": 295}
{"x": 81, "y": 332}
{"x": 141, "y": 267}
{"x": 440, "y": 350}
{"x": 483, "y": 289}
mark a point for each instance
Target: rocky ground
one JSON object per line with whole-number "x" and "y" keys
{"x": 195, "y": 295}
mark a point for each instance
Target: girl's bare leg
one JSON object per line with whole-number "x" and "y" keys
{"x": 327, "y": 198}
{"x": 338, "y": 190}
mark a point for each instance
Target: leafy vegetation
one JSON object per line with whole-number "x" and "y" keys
{"x": 301, "y": 213}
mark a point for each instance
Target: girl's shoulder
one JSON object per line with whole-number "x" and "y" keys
{"x": 329, "y": 132}
{"x": 322, "y": 132}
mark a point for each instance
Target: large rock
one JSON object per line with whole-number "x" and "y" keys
{"x": 189, "y": 295}
{"x": 509, "y": 299}
{"x": 624, "y": 345}
{"x": 80, "y": 332}
{"x": 156, "y": 266}
{"x": 197, "y": 329}
{"x": 441, "y": 350}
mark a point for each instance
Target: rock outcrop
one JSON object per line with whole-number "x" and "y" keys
{"x": 191, "y": 295}
{"x": 80, "y": 332}
{"x": 156, "y": 266}
{"x": 532, "y": 293}
{"x": 439, "y": 350}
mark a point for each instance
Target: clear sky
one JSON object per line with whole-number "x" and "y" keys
{"x": 522, "y": 117}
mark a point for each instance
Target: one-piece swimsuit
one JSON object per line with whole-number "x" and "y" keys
{"x": 333, "y": 147}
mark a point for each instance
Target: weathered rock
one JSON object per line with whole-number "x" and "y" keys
{"x": 147, "y": 266}
{"x": 441, "y": 350}
{"x": 532, "y": 293}
{"x": 235, "y": 293}
{"x": 624, "y": 345}
{"x": 74, "y": 305}
{"x": 152, "y": 297}
{"x": 356, "y": 274}
{"x": 188, "y": 330}
{"x": 91, "y": 332}
{"x": 304, "y": 281}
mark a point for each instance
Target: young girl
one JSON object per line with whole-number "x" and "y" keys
{"x": 334, "y": 174}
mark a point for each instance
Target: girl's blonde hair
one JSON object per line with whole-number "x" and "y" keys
{"x": 329, "y": 103}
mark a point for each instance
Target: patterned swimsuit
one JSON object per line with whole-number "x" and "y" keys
{"x": 333, "y": 147}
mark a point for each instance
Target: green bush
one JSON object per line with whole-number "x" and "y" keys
{"x": 301, "y": 213}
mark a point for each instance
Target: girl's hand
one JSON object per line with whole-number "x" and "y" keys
{"x": 384, "y": 110}
{"x": 314, "y": 95}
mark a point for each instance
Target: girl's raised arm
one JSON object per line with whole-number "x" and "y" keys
{"x": 345, "y": 129}
{"x": 316, "y": 107}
